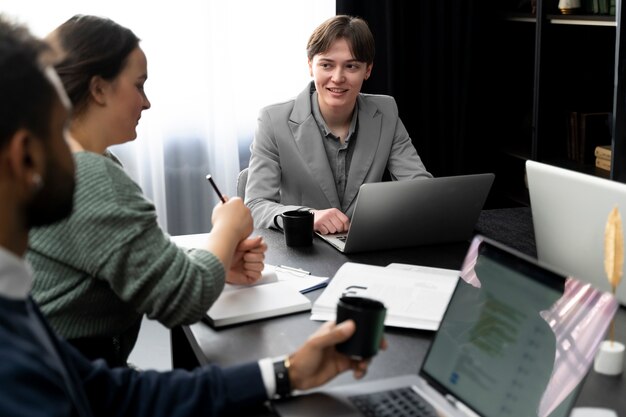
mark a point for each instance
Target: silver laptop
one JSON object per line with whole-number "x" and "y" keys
{"x": 570, "y": 210}
{"x": 398, "y": 214}
{"x": 492, "y": 356}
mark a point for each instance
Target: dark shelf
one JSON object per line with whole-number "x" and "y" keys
{"x": 519, "y": 17}
{"x": 582, "y": 19}
{"x": 546, "y": 72}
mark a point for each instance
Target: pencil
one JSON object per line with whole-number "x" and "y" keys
{"x": 217, "y": 190}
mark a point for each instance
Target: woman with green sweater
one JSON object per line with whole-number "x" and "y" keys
{"x": 98, "y": 272}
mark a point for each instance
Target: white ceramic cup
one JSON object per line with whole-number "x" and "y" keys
{"x": 610, "y": 358}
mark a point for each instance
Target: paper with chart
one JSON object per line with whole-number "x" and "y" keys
{"x": 415, "y": 296}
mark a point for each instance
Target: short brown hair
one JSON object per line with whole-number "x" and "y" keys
{"x": 352, "y": 29}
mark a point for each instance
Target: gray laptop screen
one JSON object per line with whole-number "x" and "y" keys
{"x": 494, "y": 351}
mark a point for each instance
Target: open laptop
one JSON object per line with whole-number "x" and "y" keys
{"x": 570, "y": 210}
{"x": 493, "y": 354}
{"x": 398, "y": 214}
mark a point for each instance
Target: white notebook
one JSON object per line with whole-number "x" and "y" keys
{"x": 240, "y": 305}
{"x": 279, "y": 292}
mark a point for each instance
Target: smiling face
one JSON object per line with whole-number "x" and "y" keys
{"x": 338, "y": 78}
{"x": 125, "y": 98}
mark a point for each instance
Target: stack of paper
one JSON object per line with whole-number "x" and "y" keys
{"x": 415, "y": 296}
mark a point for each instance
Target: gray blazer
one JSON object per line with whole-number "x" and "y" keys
{"x": 289, "y": 168}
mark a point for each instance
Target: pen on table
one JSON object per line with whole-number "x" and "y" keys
{"x": 292, "y": 269}
{"x": 217, "y": 190}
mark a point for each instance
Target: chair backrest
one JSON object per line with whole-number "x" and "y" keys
{"x": 242, "y": 179}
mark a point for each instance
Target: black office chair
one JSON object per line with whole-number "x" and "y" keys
{"x": 242, "y": 179}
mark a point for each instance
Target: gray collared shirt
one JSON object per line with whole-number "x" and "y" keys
{"x": 339, "y": 154}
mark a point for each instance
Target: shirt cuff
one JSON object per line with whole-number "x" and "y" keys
{"x": 267, "y": 373}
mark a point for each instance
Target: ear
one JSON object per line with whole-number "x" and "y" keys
{"x": 98, "y": 87}
{"x": 25, "y": 159}
{"x": 368, "y": 71}
{"x": 310, "y": 67}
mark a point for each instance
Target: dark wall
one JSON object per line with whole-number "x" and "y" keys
{"x": 432, "y": 57}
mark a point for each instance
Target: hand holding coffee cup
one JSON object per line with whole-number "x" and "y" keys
{"x": 297, "y": 226}
{"x": 369, "y": 319}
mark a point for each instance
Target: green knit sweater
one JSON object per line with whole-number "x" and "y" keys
{"x": 98, "y": 272}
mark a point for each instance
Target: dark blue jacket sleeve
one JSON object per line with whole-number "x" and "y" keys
{"x": 42, "y": 379}
{"x": 206, "y": 391}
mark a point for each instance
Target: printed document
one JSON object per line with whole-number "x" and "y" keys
{"x": 415, "y": 296}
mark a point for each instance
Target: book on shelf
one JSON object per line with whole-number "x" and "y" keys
{"x": 572, "y": 136}
{"x": 603, "y": 152}
{"x": 604, "y": 164}
{"x": 595, "y": 129}
{"x": 586, "y": 131}
{"x": 415, "y": 296}
{"x": 603, "y": 7}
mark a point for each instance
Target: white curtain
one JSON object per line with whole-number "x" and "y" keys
{"x": 211, "y": 66}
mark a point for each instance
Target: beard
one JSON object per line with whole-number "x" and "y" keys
{"x": 55, "y": 200}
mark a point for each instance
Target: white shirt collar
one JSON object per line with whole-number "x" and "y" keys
{"x": 16, "y": 278}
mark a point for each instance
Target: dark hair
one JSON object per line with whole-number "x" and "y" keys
{"x": 26, "y": 93}
{"x": 91, "y": 46}
{"x": 352, "y": 29}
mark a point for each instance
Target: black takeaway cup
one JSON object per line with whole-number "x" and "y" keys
{"x": 369, "y": 318}
{"x": 297, "y": 226}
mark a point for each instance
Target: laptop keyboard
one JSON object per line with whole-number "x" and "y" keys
{"x": 342, "y": 238}
{"x": 393, "y": 403}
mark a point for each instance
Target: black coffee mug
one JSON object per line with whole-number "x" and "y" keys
{"x": 369, "y": 318}
{"x": 297, "y": 227}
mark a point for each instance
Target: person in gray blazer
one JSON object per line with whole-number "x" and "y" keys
{"x": 316, "y": 150}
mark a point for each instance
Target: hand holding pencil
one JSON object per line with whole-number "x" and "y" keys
{"x": 232, "y": 222}
{"x": 232, "y": 214}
